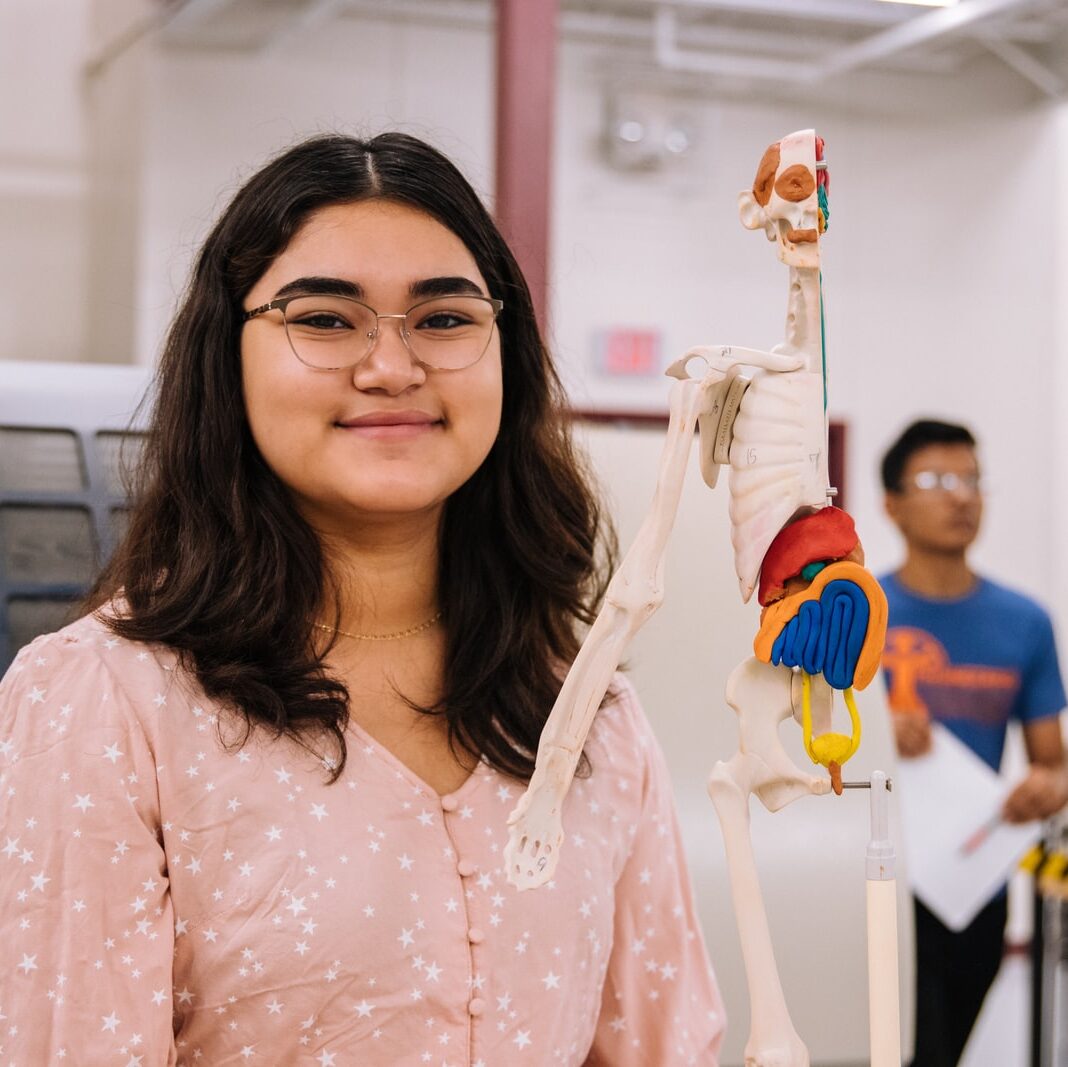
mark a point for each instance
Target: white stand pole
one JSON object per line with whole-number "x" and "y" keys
{"x": 884, "y": 1010}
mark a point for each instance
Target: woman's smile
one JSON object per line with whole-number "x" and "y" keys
{"x": 391, "y": 425}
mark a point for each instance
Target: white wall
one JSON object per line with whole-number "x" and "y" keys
{"x": 43, "y": 218}
{"x": 1056, "y": 489}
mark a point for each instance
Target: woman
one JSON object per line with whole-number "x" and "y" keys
{"x": 256, "y": 802}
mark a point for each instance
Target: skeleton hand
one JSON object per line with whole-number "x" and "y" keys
{"x": 794, "y": 1055}
{"x": 536, "y": 829}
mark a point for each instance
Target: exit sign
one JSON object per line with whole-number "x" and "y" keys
{"x": 623, "y": 353}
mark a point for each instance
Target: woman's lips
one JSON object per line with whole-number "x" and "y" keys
{"x": 390, "y": 426}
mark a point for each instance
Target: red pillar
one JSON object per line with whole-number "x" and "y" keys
{"x": 526, "y": 69}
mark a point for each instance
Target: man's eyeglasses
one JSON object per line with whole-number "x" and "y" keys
{"x": 946, "y": 481}
{"x": 337, "y": 332}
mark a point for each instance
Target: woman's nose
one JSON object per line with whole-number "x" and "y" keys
{"x": 389, "y": 364}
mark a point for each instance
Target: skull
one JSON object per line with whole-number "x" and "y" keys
{"x": 784, "y": 200}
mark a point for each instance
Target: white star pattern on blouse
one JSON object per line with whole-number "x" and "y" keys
{"x": 270, "y": 864}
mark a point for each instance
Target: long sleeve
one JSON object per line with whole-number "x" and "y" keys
{"x": 661, "y": 1005}
{"x": 85, "y": 916}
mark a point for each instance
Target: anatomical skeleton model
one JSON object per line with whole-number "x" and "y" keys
{"x": 824, "y": 616}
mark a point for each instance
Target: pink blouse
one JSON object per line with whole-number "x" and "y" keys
{"x": 170, "y": 897}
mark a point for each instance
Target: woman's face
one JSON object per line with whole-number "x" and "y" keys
{"x": 388, "y": 437}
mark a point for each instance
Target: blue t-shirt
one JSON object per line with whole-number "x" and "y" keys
{"x": 972, "y": 663}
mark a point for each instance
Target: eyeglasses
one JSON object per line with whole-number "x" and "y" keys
{"x": 337, "y": 332}
{"x": 946, "y": 481}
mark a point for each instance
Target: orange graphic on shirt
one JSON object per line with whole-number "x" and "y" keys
{"x": 912, "y": 657}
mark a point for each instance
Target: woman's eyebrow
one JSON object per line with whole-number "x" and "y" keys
{"x": 445, "y": 286}
{"x": 322, "y": 286}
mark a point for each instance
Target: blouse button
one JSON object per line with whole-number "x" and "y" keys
{"x": 465, "y": 868}
{"x": 449, "y": 803}
{"x": 475, "y": 935}
{"x": 477, "y": 1006}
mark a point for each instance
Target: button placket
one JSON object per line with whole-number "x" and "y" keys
{"x": 475, "y": 936}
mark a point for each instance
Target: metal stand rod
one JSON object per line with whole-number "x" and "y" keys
{"x": 884, "y": 1009}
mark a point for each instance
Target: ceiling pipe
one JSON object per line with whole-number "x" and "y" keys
{"x": 1028, "y": 67}
{"x": 846, "y": 11}
{"x": 918, "y": 30}
{"x": 670, "y": 57}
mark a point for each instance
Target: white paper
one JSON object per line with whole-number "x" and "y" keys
{"x": 945, "y": 797}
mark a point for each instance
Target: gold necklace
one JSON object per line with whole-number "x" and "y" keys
{"x": 410, "y": 632}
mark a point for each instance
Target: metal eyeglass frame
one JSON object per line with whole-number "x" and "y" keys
{"x": 947, "y": 482}
{"x": 372, "y": 338}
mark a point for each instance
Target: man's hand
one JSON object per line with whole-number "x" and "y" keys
{"x": 1041, "y": 794}
{"x": 1045, "y": 789}
{"x": 912, "y": 732}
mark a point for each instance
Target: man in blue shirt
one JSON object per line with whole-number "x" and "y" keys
{"x": 968, "y": 653}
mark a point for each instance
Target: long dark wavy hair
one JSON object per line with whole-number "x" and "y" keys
{"x": 219, "y": 565}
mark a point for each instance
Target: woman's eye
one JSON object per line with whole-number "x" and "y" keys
{"x": 322, "y": 320}
{"x": 442, "y": 320}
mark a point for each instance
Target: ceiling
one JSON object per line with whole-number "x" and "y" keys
{"x": 779, "y": 43}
